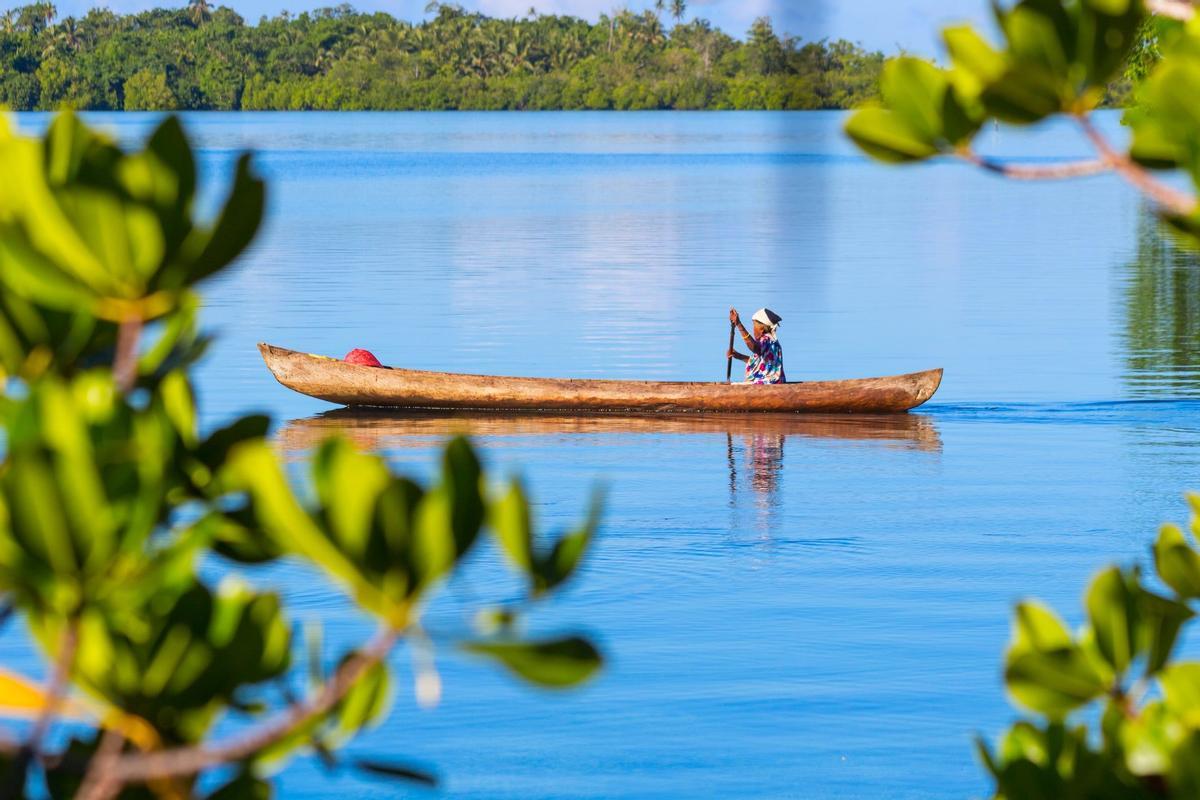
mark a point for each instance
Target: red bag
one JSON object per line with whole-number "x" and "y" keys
{"x": 364, "y": 358}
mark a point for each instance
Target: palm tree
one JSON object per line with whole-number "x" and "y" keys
{"x": 678, "y": 9}
{"x": 199, "y": 12}
{"x": 49, "y": 12}
{"x": 68, "y": 33}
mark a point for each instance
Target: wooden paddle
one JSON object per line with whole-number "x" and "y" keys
{"x": 729, "y": 359}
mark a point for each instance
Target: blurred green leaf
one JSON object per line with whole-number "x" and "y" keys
{"x": 547, "y": 567}
{"x": 179, "y": 404}
{"x": 243, "y": 786}
{"x": 1161, "y": 621}
{"x": 254, "y": 466}
{"x": 1046, "y": 671}
{"x": 1181, "y": 689}
{"x": 1053, "y": 683}
{"x": 1183, "y": 778}
{"x": 383, "y": 538}
{"x": 176, "y": 658}
{"x": 970, "y": 53}
{"x": 567, "y": 553}
{"x": 553, "y": 663}
{"x": 235, "y": 228}
{"x": 510, "y": 519}
{"x": 1177, "y": 562}
{"x": 1112, "y": 605}
{"x": 85, "y": 226}
{"x": 365, "y": 704}
{"x": 214, "y": 451}
{"x": 389, "y": 769}
{"x": 1166, "y": 122}
{"x": 460, "y": 482}
{"x": 1037, "y": 628}
{"x": 913, "y": 90}
{"x": 235, "y": 535}
{"x": 347, "y": 483}
{"x": 884, "y": 136}
{"x": 923, "y": 114}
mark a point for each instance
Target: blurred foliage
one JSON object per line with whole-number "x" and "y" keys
{"x": 1115, "y": 715}
{"x": 1057, "y": 57}
{"x": 1116, "y": 673}
{"x": 111, "y": 496}
{"x": 337, "y": 58}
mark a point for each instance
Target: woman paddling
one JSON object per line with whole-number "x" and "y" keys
{"x": 765, "y": 362}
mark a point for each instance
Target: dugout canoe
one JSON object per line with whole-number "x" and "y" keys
{"x": 336, "y": 381}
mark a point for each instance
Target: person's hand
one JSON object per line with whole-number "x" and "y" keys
{"x": 729, "y": 353}
{"x": 733, "y": 316}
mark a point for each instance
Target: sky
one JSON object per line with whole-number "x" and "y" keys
{"x": 887, "y": 25}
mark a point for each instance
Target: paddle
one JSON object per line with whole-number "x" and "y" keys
{"x": 729, "y": 359}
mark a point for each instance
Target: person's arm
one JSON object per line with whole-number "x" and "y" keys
{"x": 735, "y": 354}
{"x": 746, "y": 337}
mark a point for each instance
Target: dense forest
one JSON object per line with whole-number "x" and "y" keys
{"x": 201, "y": 57}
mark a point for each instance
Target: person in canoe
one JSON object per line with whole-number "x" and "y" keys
{"x": 765, "y": 362}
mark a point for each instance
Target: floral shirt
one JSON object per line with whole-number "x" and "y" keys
{"x": 767, "y": 365}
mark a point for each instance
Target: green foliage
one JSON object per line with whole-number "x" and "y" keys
{"x": 181, "y": 654}
{"x": 1057, "y": 57}
{"x": 924, "y": 114}
{"x": 111, "y": 496}
{"x": 1166, "y": 127}
{"x": 1117, "y": 672}
{"x": 547, "y": 567}
{"x": 556, "y": 662}
{"x": 85, "y": 228}
{"x": 337, "y": 58}
{"x": 1115, "y": 716}
{"x": 147, "y": 90}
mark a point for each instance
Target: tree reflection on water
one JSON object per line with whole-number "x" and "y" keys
{"x": 1162, "y": 316}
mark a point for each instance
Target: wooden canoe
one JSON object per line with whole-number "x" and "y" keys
{"x": 351, "y": 385}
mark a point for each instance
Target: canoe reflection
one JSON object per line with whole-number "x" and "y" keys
{"x": 765, "y": 433}
{"x": 754, "y": 442}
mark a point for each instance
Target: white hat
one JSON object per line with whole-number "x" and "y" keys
{"x": 768, "y": 318}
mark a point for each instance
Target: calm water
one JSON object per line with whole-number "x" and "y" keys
{"x": 792, "y": 608}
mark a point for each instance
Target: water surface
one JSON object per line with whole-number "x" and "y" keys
{"x": 808, "y": 608}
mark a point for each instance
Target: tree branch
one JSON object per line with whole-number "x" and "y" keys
{"x": 125, "y": 363}
{"x": 1168, "y": 198}
{"x": 1175, "y": 9}
{"x": 1030, "y": 172}
{"x": 98, "y": 782}
{"x": 56, "y": 685}
{"x": 144, "y": 767}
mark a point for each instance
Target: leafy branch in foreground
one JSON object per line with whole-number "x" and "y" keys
{"x": 110, "y": 497}
{"x": 1117, "y": 717}
{"x": 1057, "y": 58}
{"x": 1117, "y": 672}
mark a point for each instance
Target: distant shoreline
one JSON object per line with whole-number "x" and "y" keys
{"x": 202, "y": 58}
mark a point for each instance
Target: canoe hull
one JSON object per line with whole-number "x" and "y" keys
{"x": 351, "y": 385}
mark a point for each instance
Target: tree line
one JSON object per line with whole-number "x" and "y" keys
{"x": 204, "y": 57}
